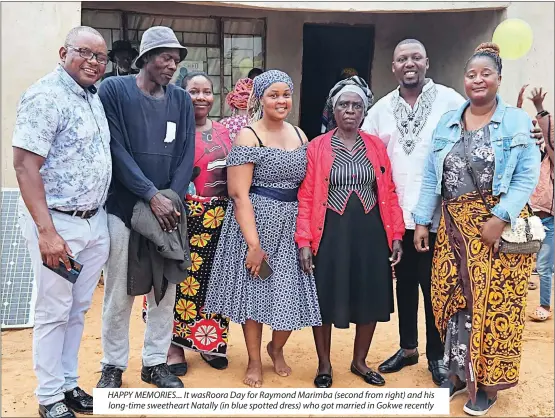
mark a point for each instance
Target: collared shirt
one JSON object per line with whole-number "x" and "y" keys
{"x": 407, "y": 134}
{"x": 351, "y": 172}
{"x": 64, "y": 123}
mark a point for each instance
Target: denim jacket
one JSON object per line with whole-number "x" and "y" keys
{"x": 517, "y": 162}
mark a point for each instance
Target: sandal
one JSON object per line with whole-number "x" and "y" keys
{"x": 178, "y": 369}
{"x": 532, "y": 285}
{"x": 541, "y": 314}
{"x": 217, "y": 362}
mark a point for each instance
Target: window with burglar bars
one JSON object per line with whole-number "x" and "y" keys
{"x": 225, "y": 48}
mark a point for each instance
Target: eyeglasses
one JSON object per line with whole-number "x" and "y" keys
{"x": 89, "y": 55}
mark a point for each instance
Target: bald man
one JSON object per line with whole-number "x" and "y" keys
{"x": 405, "y": 120}
{"x": 61, "y": 146}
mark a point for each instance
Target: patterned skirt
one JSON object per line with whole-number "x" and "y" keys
{"x": 195, "y": 329}
{"x": 469, "y": 278}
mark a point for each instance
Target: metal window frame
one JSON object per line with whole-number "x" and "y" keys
{"x": 220, "y": 20}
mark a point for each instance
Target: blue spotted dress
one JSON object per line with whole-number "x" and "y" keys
{"x": 287, "y": 300}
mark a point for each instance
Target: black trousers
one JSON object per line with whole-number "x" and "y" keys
{"x": 416, "y": 269}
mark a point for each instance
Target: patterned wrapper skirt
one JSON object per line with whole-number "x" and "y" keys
{"x": 195, "y": 329}
{"x": 478, "y": 297}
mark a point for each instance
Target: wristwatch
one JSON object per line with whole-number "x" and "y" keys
{"x": 542, "y": 114}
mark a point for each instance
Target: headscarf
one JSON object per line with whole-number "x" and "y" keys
{"x": 353, "y": 84}
{"x": 238, "y": 98}
{"x": 348, "y": 72}
{"x": 260, "y": 85}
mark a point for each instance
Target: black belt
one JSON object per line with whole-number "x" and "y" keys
{"x": 83, "y": 214}
{"x": 282, "y": 195}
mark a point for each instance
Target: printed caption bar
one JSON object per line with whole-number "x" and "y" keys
{"x": 244, "y": 402}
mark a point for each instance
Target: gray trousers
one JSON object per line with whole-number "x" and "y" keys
{"x": 61, "y": 306}
{"x": 118, "y": 304}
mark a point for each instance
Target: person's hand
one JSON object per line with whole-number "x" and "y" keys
{"x": 165, "y": 213}
{"x": 520, "y": 99}
{"x": 305, "y": 258}
{"x": 54, "y": 249}
{"x": 421, "y": 236}
{"x": 255, "y": 255}
{"x": 397, "y": 252}
{"x": 537, "y": 98}
{"x": 537, "y": 134}
{"x": 491, "y": 232}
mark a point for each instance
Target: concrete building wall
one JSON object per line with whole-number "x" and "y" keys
{"x": 284, "y": 40}
{"x": 450, "y": 38}
{"x": 536, "y": 68}
{"x": 363, "y": 6}
{"x": 32, "y": 34}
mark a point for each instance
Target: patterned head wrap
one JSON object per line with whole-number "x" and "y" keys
{"x": 239, "y": 96}
{"x": 260, "y": 84}
{"x": 348, "y": 72}
{"x": 266, "y": 79}
{"x": 353, "y": 84}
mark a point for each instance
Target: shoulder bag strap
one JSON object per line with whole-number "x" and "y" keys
{"x": 472, "y": 174}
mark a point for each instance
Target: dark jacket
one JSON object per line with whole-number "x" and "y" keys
{"x": 156, "y": 257}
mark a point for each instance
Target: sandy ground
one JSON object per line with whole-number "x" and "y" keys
{"x": 533, "y": 397}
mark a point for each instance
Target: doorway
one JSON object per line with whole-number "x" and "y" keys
{"x": 327, "y": 50}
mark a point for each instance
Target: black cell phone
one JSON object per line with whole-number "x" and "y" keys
{"x": 265, "y": 270}
{"x": 71, "y": 275}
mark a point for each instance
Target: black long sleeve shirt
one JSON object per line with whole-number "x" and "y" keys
{"x": 152, "y": 142}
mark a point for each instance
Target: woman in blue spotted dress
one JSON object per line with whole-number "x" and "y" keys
{"x": 266, "y": 165}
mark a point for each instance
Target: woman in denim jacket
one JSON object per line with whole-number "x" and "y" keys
{"x": 479, "y": 294}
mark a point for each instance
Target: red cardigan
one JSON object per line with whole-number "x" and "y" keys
{"x": 313, "y": 193}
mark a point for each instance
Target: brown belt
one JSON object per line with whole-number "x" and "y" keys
{"x": 83, "y": 214}
{"x": 542, "y": 215}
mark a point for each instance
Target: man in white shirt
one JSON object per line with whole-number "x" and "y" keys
{"x": 405, "y": 120}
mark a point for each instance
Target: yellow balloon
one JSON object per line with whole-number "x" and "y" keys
{"x": 514, "y": 38}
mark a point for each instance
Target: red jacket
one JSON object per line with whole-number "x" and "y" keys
{"x": 313, "y": 193}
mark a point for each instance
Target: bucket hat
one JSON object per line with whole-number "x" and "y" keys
{"x": 160, "y": 37}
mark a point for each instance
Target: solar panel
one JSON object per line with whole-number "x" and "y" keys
{"x": 18, "y": 293}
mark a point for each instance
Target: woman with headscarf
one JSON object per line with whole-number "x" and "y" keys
{"x": 194, "y": 329}
{"x": 483, "y": 168}
{"x": 237, "y": 100}
{"x": 328, "y": 122}
{"x": 350, "y": 221}
{"x": 266, "y": 165}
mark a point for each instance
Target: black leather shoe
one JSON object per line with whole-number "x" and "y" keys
{"x": 56, "y": 410}
{"x": 323, "y": 380}
{"x": 111, "y": 378}
{"x": 219, "y": 362}
{"x": 161, "y": 377}
{"x": 178, "y": 369}
{"x": 371, "y": 377}
{"x": 398, "y": 361}
{"x": 439, "y": 371}
{"x": 79, "y": 401}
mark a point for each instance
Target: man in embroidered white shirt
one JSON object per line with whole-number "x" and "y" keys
{"x": 405, "y": 120}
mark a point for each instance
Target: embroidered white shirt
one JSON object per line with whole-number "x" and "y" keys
{"x": 407, "y": 134}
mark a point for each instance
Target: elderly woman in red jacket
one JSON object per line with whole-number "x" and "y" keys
{"x": 350, "y": 221}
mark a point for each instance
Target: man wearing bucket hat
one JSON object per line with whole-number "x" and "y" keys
{"x": 152, "y": 130}
{"x": 122, "y": 56}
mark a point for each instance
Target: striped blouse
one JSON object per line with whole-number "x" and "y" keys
{"x": 351, "y": 172}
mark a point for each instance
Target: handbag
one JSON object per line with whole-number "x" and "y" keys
{"x": 528, "y": 234}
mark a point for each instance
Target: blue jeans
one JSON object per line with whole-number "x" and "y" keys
{"x": 544, "y": 263}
